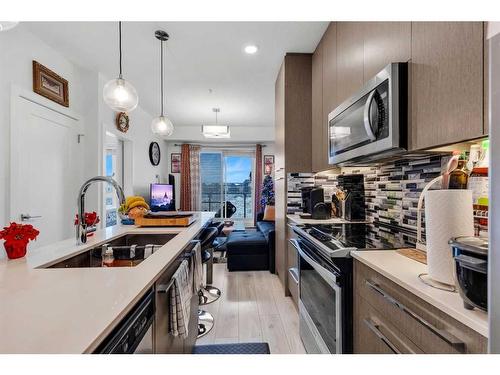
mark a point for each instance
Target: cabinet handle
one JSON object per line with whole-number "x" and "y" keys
{"x": 441, "y": 333}
{"x": 374, "y": 327}
{"x": 280, "y": 178}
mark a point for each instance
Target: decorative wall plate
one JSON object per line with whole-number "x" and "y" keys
{"x": 122, "y": 121}
{"x": 154, "y": 153}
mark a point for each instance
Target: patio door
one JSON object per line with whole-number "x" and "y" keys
{"x": 227, "y": 184}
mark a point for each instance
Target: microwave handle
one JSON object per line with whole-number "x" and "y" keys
{"x": 367, "y": 122}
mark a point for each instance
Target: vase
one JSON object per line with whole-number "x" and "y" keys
{"x": 15, "y": 250}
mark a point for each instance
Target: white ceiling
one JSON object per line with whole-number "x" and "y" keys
{"x": 200, "y": 56}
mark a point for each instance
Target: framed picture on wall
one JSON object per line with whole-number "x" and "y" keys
{"x": 49, "y": 84}
{"x": 268, "y": 165}
{"x": 175, "y": 163}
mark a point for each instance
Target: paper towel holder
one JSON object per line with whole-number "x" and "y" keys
{"x": 419, "y": 243}
{"x": 427, "y": 280}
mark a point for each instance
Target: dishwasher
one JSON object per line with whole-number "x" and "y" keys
{"x": 134, "y": 334}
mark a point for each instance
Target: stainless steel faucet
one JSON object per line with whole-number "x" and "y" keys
{"x": 81, "y": 226}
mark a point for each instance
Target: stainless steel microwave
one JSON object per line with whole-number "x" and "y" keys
{"x": 373, "y": 123}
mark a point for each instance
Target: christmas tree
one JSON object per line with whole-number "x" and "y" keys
{"x": 267, "y": 192}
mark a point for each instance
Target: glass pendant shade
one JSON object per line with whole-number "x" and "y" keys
{"x": 161, "y": 125}
{"x": 120, "y": 95}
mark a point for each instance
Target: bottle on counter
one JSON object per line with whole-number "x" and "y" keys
{"x": 107, "y": 257}
{"x": 478, "y": 183}
{"x": 460, "y": 176}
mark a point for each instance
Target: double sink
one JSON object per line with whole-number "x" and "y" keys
{"x": 124, "y": 253}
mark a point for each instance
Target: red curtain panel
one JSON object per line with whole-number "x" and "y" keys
{"x": 258, "y": 181}
{"x": 185, "y": 179}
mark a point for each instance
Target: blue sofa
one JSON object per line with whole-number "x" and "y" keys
{"x": 252, "y": 250}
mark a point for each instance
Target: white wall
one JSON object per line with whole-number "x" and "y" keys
{"x": 494, "y": 219}
{"x": 140, "y": 136}
{"x": 18, "y": 48}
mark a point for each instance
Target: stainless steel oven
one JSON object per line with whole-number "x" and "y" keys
{"x": 320, "y": 301}
{"x": 372, "y": 124}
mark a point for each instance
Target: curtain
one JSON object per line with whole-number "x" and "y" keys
{"x": 185, "y": 179}
{"x": 258, "y": 181}
{"x": 194, "y": 164}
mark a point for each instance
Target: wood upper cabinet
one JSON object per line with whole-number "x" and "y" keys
{"x": 384, "y": 43}
{"x": 446, "y": 83}
{"x": 292, "y": 140}
{"x": 349, "y": 59}
{"x": 318, "y": 141}
{"x": 330, "y": 83}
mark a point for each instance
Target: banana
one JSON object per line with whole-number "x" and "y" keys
{"x": 132, "y": 199}
{"x": 138, "y": 203}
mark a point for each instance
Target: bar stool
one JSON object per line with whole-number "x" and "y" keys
{"x": 209, "y": 293}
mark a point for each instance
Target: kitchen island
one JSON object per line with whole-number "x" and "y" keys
{"x": 71, "y": 310}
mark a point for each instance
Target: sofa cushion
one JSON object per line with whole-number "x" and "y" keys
{"x": 248, "y": 242}
{"x": 265, "y": 227}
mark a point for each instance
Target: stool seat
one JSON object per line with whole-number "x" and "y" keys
{"x": 207, "y": 237}
{"x": 237, "y": 348}
{"x": 205, "y": 256}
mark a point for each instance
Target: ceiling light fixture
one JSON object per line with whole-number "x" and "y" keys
{"x": 251, "y": 49}
{"x": 7, "y": 25}
{"x": 118, "y": 93}
{"x": 161, "y": 125}
{"x": 216, "y": 131}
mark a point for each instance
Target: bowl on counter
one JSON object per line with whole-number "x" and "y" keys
{"x": 471, "y": 270}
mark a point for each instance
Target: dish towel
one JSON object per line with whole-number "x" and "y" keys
{"x": 180, "y": 301}
{"x": 198, "y": 268}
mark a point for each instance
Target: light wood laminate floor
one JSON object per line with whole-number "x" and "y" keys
{"x": 253, "y": 308}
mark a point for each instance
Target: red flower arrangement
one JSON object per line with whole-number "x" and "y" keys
{"x": 16, "y": 237}
{"x": 91, "y": 219}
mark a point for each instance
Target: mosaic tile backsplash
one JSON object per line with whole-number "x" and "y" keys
{"x": 392, "y": 190}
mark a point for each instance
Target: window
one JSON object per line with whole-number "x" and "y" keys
{"x": 227, "y": 181}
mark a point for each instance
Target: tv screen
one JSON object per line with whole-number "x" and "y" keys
{"x": 162, "y": 197}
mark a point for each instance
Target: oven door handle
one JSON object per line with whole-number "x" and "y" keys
{"x": 326, "y": 274}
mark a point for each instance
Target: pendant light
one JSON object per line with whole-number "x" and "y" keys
{"x": 161, "y": 125}
{"x": 118, "y": 93}
{"x": 216, "y": 131}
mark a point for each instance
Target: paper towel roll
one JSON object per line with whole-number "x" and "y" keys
{"x": 448, "y": 213}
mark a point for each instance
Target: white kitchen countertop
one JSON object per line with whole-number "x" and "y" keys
{"x": 71, "y": 310}
{"x": 297, "y": 220}
{"x": 404, "y": 272}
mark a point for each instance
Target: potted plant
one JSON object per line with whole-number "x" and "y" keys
{"x": 17, "y": 237}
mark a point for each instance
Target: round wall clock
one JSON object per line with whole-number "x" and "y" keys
{"x": 154, "y": 153}
{"x": 122, "y": 122}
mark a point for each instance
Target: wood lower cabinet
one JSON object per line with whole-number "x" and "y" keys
{"x": 446, "y": 83}
{"x": 388, "y": 318}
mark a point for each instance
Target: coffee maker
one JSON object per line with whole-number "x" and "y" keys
{"x": 313, "y": 203}
{"x": 354, "y": 185}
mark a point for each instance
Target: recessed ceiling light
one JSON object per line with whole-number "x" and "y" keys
{"x": 251, "y": 49}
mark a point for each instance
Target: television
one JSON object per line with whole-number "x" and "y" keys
{"x": 161, "y": 197}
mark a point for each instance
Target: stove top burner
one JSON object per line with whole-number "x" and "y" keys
{"x": 361, "y": 235}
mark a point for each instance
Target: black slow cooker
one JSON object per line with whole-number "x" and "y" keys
{"x": 471, "y": 270}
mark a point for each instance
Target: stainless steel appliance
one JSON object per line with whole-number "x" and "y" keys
{"x": 325, "y": 279}
{"x": 372, "y": 124}
{"x": 471, "y": 270}
{"x": 135, "y": 333}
